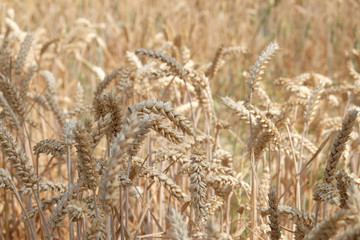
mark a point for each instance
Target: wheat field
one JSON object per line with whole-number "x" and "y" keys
{"x": 179, "y": 120}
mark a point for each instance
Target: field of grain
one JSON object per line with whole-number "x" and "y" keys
{"x": 154, "y": 119}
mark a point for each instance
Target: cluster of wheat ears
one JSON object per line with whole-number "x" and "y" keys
{"x": 148, "y": 155}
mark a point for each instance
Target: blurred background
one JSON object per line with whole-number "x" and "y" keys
{"x": 317, "y": 36}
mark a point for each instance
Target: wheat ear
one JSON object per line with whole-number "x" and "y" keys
{"x": 198, "y": 184}
{"x": 89, "y": 176}
{"x": 109, "y": 186}
{"x": 17, "y": 158}
{"x": 274, "y": 215}
{"x": 339, "y": 144}
{"x": 171, "y": 62}
{"x": 24, "y": 50}
{"x": 178, "y": 227}
{"x": 259, "y": 66}
{"x": 166, "y": 110}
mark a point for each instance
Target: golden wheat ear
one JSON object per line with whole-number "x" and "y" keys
{"x": 274, "y": 215}
{"x": 257, "y": 70}
{"x": 339, "y": 144}
{"x": 171, "y": 62}
{"x": 17, "y": 158}
{"x": 24, "y": 51}
{"x": 110, "y": 182}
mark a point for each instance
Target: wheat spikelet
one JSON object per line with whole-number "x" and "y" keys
{"x": 8, "y": 112}
{"x": 167, "y": 182}
{"x": 168, "y": 132}
{"x": 76, "y": 111}
{"x": 5, "y": 180}
{"x": 328, "y": 228}
{"x": 166, "y": 110}
{"x": 213, "y": 232}
{"x": 222, "y": 184}
{"x": 300, "y": 218}
{"x": 40, "y": 101}
{"x": 223, "y": 157}
{"x": 202, "y": 89}
{"x": 12, "y": 96}
{"x": 313, "y": 103}
{"x": 97, "y": 230}
{"x": 106, "y": 81}
{"x": 214, "y": 68}
{"x": 170, "y": 154}
{"x": 353, "y": 205}
{"x": 334, "y": 90}
{"x": 214, "y": 168}
{"x": 154, "y": 122}
{"x": 50, "y": 146}
{"x": 185, "y": 55}
{"x": 178, "y": 228}
{"x": 343, "y": 181}
{"x": 264, "y": 187}
{"x": 79, "y": 96}
{"x": 238, "y": 108}
{"x": 298, "y": 91}
{"x": 261, "y": 142}
{"x": 77, "y": 210}
{"x": 234, "y": 50}
{"x": 50, "y": 186}
{"x": 331, "y": 122}
{"x": 350, "y": 234}
{"x": 133, "y": 60}
{"x": 198, "y": 184}
{"x": 184, "y": 108}
{"x": 144, "y": 128}
{"x": 308, "y": 144}
{"x": 26, "y": 81}
{"x": 113, "y": 106}
{"x": 295, "y": 102}
{"x": 124, "y": 84}
{"x": 55, "y": 108}
{"x": 46, "y": 186}
{"x": 215, "y": 202}
{"x": 93, "y": 207}
{"x": 50, "y": 81}
{"x": 312, "y": 79}
{"x": 265, "y": 123}
{"x": 47, "y": 44}
{"x": 136, "y": 191}
{"x": 99, "y": 107}
{"x": 58, "y": 215}
{"x": 45, "y": 205}
{"x": 263, "y": 97}
{"x": 67, "y": 133}
{"x": 288, "y": 151}
{"x": 325, "y": 192}
{"x": 5, "y": 57}
{"x": 100, "y": 130}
